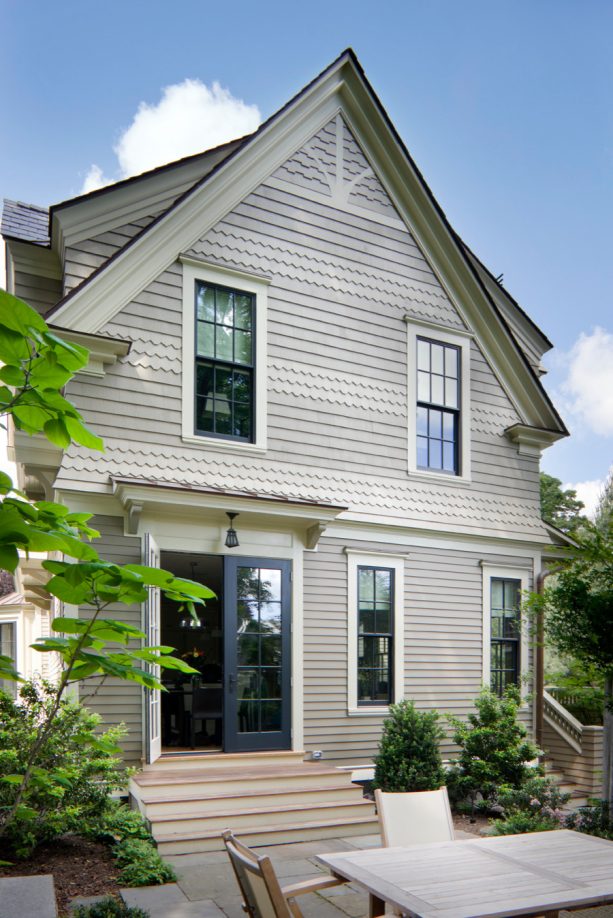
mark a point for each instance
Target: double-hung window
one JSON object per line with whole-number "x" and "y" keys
{"x": 225, "y": 362}
{"x": 375, "y": 594}
{"x": 438, "y": 406}
{"x": 505, "y": 611}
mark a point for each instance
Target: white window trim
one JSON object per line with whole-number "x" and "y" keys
{"x": 492, "y": 572}
{"x": 434, "y": 332}
{"x": 193, "y": 271}
{"x": 357, "y": 559}
{"x": 16, "y": 621}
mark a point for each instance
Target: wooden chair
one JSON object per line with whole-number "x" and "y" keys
{"x": 414, "y": 818}
{"x": 263, "y": 896}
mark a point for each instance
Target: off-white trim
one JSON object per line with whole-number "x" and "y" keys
{"x": 200, "y": 271}
{"x": 436, "y": 333}
{"x": 505, "y": 572}
{"x": 103, "y": 351}
{"x": 357, "y": 559}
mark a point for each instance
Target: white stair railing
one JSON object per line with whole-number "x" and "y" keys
{"x": 562, "y": 721}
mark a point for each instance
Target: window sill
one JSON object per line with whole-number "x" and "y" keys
{"x": 225, "y": 445}
{"x": 374, "y": 711}
{"x": 440, "y": 477}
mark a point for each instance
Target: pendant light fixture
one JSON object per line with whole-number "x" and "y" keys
{"x": 231, "y": 536}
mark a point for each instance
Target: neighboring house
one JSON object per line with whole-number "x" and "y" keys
{"x": 287, "y": 329}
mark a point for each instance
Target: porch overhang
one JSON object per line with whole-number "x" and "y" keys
{"x": 137, "y": 495}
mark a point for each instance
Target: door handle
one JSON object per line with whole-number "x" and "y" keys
{"x": 231, "y": 682}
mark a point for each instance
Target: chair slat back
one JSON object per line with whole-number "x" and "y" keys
{"x": 414, "y": 818}
{"x": 257, "y": 880}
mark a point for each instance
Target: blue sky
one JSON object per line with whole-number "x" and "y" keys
{"x": 506, "y": 107}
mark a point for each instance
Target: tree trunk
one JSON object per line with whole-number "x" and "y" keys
{"x": 607, "y": 752}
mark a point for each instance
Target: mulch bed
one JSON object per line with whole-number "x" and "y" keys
{"x": 479, "y": 827}
{"x": 80, "y": 867}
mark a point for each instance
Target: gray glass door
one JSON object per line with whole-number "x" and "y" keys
{"x": 257, "y": 622}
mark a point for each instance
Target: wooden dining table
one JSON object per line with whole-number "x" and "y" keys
{"x": 534, "y": 874}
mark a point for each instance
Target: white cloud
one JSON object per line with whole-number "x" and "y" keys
{"x": 588, "y": 492}
{"x": 588, "y": 388}
{"x": 190, "y": 117}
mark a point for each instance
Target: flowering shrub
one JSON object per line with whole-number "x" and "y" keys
{"x": 596, "y": 819}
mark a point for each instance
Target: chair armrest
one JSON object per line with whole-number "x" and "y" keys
{"x": 309, "y": 886}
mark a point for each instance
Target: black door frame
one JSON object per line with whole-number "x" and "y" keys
{"x": 233, "y": 741}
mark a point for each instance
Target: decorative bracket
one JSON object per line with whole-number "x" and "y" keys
{"x": 314, "y": 534}
{"x": 134, "y": 511}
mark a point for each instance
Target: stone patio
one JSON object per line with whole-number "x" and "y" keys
{"x": 207, "y": 887}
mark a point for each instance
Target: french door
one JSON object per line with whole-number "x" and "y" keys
{"x": 257, "y": 654}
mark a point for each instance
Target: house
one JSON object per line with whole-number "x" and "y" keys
{"x": 316, "y": 400}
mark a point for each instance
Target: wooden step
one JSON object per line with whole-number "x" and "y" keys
{"x": 149, "y": 785}
{"x": 190, "y": 803}
{"x": 175, "y": 762}
{"x": 271, "y": 835}
{"x": 256, "y": 817}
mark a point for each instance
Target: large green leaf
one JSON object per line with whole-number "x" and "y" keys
{"x": 18, "y": 316}
{"x": 80, "y": 434}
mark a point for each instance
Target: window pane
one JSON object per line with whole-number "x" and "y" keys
{"x": 247, "y": 684}
{"x": 223, "y": 343}
{"x": 449, "y": 457}
{"x": 242, "y": 345}
{"x": 435, "y": 454}
{"x": 204, "y": 414}
{"x": 437, "y": 396}
{"x": 248, "y": 716}
{"x": 270, "y": 617}
{"x": 448, "y": 426}
{"x": 381, "y": 690}
{"x": 422, "y": 452}
{"x": 435, "y": 422}
{"x": 383, "y": 586}
{"x": 366, "y": 621}
{"x": 451, "y": 362}
{"x": 270, "y": 584}
{"x": 223, "y": 384}
{"x": 384, "y": 621}
{"x": 270, "y": 650}
{"x": 451, "y": 393}
{"x": 423, "y": 355}
{"x": 242, "y": 421}
{"x": 422, "y": 421}
{"x": 512, "y": 597}
{"x": 497, "y": 594}
{"x": 270, "y": 682}
{"x": 205, "y": 345}
{"x": 243, "y": 310}
{"x": 436, "y": 351}
{"x": 423, "y": 387}
{"x": 271, "y": 715}
{"x": 242, "y": 386}
{"x": 248, "y": 649}
{"x": 366, "y": 587}
{"x": 225, "y": 307}
{"x": 205, "y": 303}
{"x": 223, "y": 417}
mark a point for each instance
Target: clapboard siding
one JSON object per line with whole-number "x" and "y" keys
{"x": 342, "y": 282}
{"x": 82, "y": 258}
{"x": 116, "y": 701}
{"x": 443, "y": 632}
{"x": 40, "y": 292}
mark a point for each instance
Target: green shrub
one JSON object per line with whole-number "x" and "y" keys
{"x": 519, "y": 823}
{"x": 74, "y": 771}
{"x": 117, "y": 822}
{"x": 596, "y": 819}
{"x": 108, "y": 908}
{"x": 537, "y": 796}
{"x": 494, "y": 750}
{"x": 409, "y": 757}
{"x": 140, "y": 864}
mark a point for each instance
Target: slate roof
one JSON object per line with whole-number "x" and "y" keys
{"x": 26, "y": 222}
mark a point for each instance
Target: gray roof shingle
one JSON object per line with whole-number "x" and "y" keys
{"x": 27, "y": 222}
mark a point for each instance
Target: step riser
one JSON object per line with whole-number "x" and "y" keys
{"x": 208, "y": 787}
{"x": 245, "y": 822}
{"x": 257, "y": 838}
{"x": 246, "y": 760}
{"x": 249, "y": 802}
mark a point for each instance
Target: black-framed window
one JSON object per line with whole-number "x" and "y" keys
{"x": 8, "y": 648}
{"x": 505, "y": 606}
{"x": 438, "y": 406}
{"x": 225, "y": 362}
{"x": 375, "y": 635}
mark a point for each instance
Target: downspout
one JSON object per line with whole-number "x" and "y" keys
{"x": 539, "y": 666}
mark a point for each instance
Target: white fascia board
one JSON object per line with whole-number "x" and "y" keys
{"x": 89, "y": 308}
{"x": 103, "y": 351}
{"x": 140, "y": 198}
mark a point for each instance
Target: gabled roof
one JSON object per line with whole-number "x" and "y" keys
{"x": 26, "y": 222}
{"x": 340, "y": 87}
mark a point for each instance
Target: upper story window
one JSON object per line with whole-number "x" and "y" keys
{"x": 8, "y": 648}
{"x": 438, "y": 406}
{"x": 505, "y": 605}
{"x": 375, "y": 635}
{"x": 225, "y": 362}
